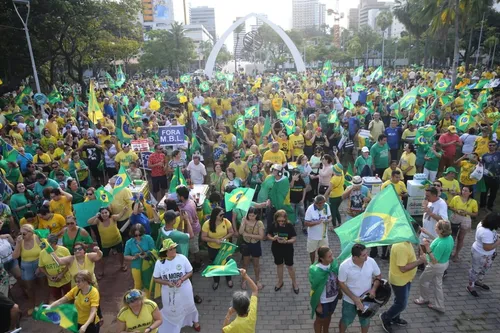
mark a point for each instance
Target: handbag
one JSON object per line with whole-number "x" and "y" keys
{"x": 478, "y": 172}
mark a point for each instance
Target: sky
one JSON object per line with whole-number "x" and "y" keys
{"x": 278, "y": 11}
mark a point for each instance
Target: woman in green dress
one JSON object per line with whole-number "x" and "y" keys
{"x": 13, "y": 173}
{"x": 77, "y": 192}
{"x": 74, "y": 234}
{"x": 22, "y": 201}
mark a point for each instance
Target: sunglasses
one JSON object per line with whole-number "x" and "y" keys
{"x": 137, "y": 235}
{"x": 78, "y": 281}
{"x": 78, "y": 249}
{"x": 90, "y": 193}
{"x": 221, "y": 215}
{"x": 70, "y": 223}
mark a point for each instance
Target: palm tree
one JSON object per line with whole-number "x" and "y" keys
{"x": 384, "y": 21}
{"x": 237, "y": 31}
{"x": 205, "y": 47}
{"x": 176, "y": 34}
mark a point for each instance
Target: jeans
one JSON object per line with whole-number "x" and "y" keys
{"x": 374, "y": 251}
{"x": 492, "y": 185}
{"x": 401, "y": 295}
{"x": 334, "y": 206}
{"x": 299, "y": 211}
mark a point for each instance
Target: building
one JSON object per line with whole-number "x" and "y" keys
{"x": 206, "y": 16}
{"x": 364, "y": 8}
{"x": 238, "y": 39}
{"x": 198, "y": 33}
{"x": 308, "y": 14}
{"x": 258, "y": 24}
{"x": 353, "y": 19}
{"x": 160, "y": 14}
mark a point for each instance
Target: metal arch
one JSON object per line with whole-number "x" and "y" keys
{"x": 297, "y": 58}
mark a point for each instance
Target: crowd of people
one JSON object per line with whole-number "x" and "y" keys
{"x": 55, "y": 156}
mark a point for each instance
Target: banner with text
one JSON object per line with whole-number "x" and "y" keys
{"x": 171, "y": 135}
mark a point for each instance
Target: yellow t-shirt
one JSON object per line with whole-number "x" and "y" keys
{"x": 408, "y": 160}
{"x": 388, "y": 174}
{"x": 466, "y": 169}
{"x": 296, "y": 144}
{"x": 229, "y": 140}
{"x": 121, "y": 200}
{"x": 401, "y": 255}
{"x": 481, "y": 146}
{"x": 53, "y": 268}
{"x": 275, "y": 158}
{"x": 138, "y": 323}
{"x": 400, "y": 187}
{"x": 221, "y": 230}
{"x": 241, "y": 170}
{"x": 55, "y": 224}
{"x": 283, "y": 145}
{"x": 244, "y": 324}
{"x": 470, "y": 206}
{"x": 337, "y": 183}
{"x": 61, "y": 207}
{"x": 84, "y": 303}
{"x": 42, "y": 159}
{"x": 24, "y": 221}
{"x": 448, "y": 187}
{"x": 53, "y": 128}
{"x": 124, "y": 158}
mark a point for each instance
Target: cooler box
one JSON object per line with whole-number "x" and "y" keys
{"x": 140, "y": 187}
{"x": 415, "y": 188}
{"x": 420, "y": 177}
{"x": 414, "y": 206}
{"x": 373, "y": 183}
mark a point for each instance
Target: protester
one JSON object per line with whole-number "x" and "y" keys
{"x": 491, "y": 176}
{"x": 380, "y": 155}
{"x": 334, "y": 193}
{"x": 81, "y": 260}
{"x": 318, "y": 217}
{"x": 464, "y": 207}
{"x": 252, "y": 232}
{"x": 138, "y": 313}
{"x": 138, "y": 249}
{"x": 74, "y": 234}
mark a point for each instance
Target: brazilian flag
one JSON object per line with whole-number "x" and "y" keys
{"x": 229, "y": 269}
{"x": 288, "y": 118}
{"x": 348, "y": 176}
{"x": 378, "y": 74}
{"x": 333, "y": 117}
{"x": 103, "y": 196}
{"x": 204, "y": 86}
{"x": 464, "y": 121}
{"x": 425, "y": 135}
{"x": 266, "y": 131}
{"x": 274, "y": 79}
{"x": 240, "y": 198}
{"x": 124, "y": 127}
{"x": 359, "y": 87}
{"x": 252, "y": 111}
{"x": 111, "y": 82}
{"x": 358, "y": 71}
{"x": 206, "y": 109}
{"x": 9, "y": 153}
{"x": 409, "y": 99}
{"x": 177, "y": 179}
{"x": 25, "y": 93}
{"x": 220, "y": 76}
{"x": 122, "y": 180}
{"x": 327, "y": 71}
{"x": 120, "y": 77}
{"x": 186, "y": 78}
{"x": 348, "y": 104}
{"x": 424, "y": 91}
{"x": 136, "y": 112}
{"x": 64, "y": 315}
{"x": 239, "y": 124}
{"x": 442, "y": 85}
{"x": 384, "y": 222}
{"x": 54, "y": 96}
{"x": 199, "y": 118}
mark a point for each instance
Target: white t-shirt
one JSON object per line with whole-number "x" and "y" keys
{"x": 358, "y": 279}
{"x": 318, "y": 232}
{"x": 331, "y": 290}
{"x": 197, "y": 172}
{"x": 484, "y": 236}
{"x": 438, "y": 207}
{"x": 468, "y": 141}
{"x": 172, "y": 270}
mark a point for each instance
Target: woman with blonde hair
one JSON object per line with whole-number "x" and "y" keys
{"x": 438, "y": 257}
{"x": 138, "y": 314}
{"x": 80, "y": 261}
{"x": 464, "y": 208}
{"x": 86, "y": 299}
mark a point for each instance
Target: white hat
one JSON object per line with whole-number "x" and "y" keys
{"x": 365, "y": 149}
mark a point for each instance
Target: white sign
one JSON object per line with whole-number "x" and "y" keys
{"x": 140, "y": 145}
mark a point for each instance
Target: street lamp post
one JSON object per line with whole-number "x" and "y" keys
{"x": 25, "y": 25}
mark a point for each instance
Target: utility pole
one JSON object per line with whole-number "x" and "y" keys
{"x": 479, "y": 42}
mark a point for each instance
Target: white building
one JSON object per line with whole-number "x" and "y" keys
{"x": 160, "y": 14}
{"x": 365, "y": 6}
{"x": 206, "y": 16}
{"x": 239, "y": 38}
{"x": 308, "y": 14}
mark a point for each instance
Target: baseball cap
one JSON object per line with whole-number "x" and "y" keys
{"x": 452, "y": 129}
{"x": 365, "y": 150}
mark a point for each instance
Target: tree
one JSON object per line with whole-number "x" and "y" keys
{"x": 223, "y": 57}
{"x": 384, "y": 21}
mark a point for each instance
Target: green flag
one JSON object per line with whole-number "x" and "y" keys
{"x": 186, "y": 78}
{"x": 195, "y": 145}
{"x": 464, "y": 121}
{"x": 252, "y": 111}
{"x": 425, "y": 135}
{"x": 348, "y": 104}
{"x": 359, "y": 87}
{"x": 384, "y": 222}
{"x": 326, "y": 72}
{"x": 64, "y": 315}
{"x": 358, "y": 71}
{"x": 370, "y": 107}
{"x": 111, "y": 82}
{"x": 177, "y": 179}
{"x": 136, "y": 112}
{"x": 103, "y": 196}
{"x": 206, "y": 110}
{"x": 226, "y": 250}
{"x": 472, "y": 108}
{"x": 348, "y": 175}
{"x": 378, "y": 74}
{"x": 482, "y": 99}
{"x": 481, "y": 83}
{"x": 9, "y": 153}
{"x": 442, "y": 85}
{"x": 274, "y": 79}
{"x": 333, "y": 117}
{"x": 124, "y": 127}
{"x": 122, "y": 180}
{"x": 54, "y": 96}
{"x": 229, "y": 77}
{"x": 25, "y": 93}
{"x": 204, "y": 86}
{"x": 266, "y": 131}
{"x": 240, "y": 198}
{"x": 120, "y": 77}
{"x": 409, "y": 99}
{"x": 239, "y": 124}
{"x": 288, "y": 118}
{"x": 424, "y": 91}
{"x": 229, "y": 269}
{"x": 199, "y": 118}
{"x": 220, "y": 76}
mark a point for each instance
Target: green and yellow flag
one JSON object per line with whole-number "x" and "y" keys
{"x": 333, "y": 117}
{"x": 252, "y": 111}
{"x": 464, "y": 121}
{"x": 204, "y": 86}
{"x": 239, "y": 124}
{"x": 177, "y": 179}
{"x": 124, "y": 127}
{"x": 103, "y": 196}
{"x": 206, "y": 110}
{"x": 358, "y": 71}
{"x": 111, "y": 82}
{"x": 120, "y": 77}
{"x": 347, "y": 103}
{"x": 54, "y": 96}
{"x": 378, "y": 74}
{"x": 442, "y": 85}
{"x": 94, "y": 112}
{"x": 326, "y": 72}
{"x": 266, "y": 131}
{"x": 186, "y": 78}
{"x": 409, "y": 99}
{"x": 229, "y": 269}
{"x": 199, "y": 118}
{"x": 358, "y": 87}
{"x": 288, "y": 118}
{"x": 122, "y": 180}
{"x": 226, "y": 250}
{"x": 136, "y": 112}
{"x": 240, "y": 198}
{"x": 425, "y": 135}
{"x": 64, "y": 315}
{"x": 9, "y": 153}
{"x": 25, "y": 93}
{"x": 424, "y": 91}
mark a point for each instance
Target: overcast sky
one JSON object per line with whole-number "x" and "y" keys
{"x": 278, "y": 11}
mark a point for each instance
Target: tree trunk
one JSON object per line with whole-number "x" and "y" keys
{"x": 467, "y": 52}
{"x": 455, "y": 50}
{"x": 426, "y": 49}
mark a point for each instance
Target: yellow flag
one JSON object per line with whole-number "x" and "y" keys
{"x": 94, "y": 112}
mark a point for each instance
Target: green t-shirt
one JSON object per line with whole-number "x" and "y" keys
{"x": 181, "y": 238}
{"x": 433, "y": 163}
{"x": 442, "y": 247}
{"x": 31, "y": 149}
{"x": 360, "y": 163}
{"x": 380, "y": 155}
{"x": 19, "y": 199}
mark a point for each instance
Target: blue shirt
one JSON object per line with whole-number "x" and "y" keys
{"x": 142, "y": 219}
{"x": 23, "y": 161}
{"x": 109, "y": 110}
{"x": 39, "y": 188}
{"x": 491, "y": 164}
{"x": 353, "y": 126}
{"x": 131, "y": 249}
{"x": 393, "y": 136}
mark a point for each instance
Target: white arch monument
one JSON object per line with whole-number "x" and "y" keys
{"x": 209, "y": 67}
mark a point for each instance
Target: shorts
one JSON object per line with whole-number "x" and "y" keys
{"x": 253, "y": 250}
{"x": 159, "y": 182}
{"x": 314, "y": 245}
{"x": 6, "y": 304}
{"x": 58, "y": 292}
{"x": 194, "y": 246}
{"x": 28, "y": 270}
{"x": 349, "y": 312}
{"x": 328, "y": 308}
{"x": 118, "y": 248}
{"x": 10, "y": 265}
{"x": 282, "y": 253}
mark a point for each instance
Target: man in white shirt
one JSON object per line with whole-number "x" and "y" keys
{"x": 197, "y": 170}
{"x": 376, "y": 126}
{"x": 198, "y": 100}
{"x": 318, "y": 217}
{"x": 357, "y": 275}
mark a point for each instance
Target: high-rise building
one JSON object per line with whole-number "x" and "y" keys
{"x": 160, "y": 14}
{"x": 308, "y": 14}
{"x": 238, "y": 39}
{"x": 364, "y": 8}
{"x": 353, "y": 19}
{"x": 206, "y": 16}
{"x": 258, "y": 24}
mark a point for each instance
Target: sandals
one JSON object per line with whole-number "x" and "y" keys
{"x": 279, "y": 288}
{"x": 420, "y": 301}
{"x": 124, "y": 268}
{"x": 197, "y": 328}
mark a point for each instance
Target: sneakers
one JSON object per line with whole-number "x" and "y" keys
{"x": 472, "y": 291}
{"x": 386, "y": 326}
{"x": 482, "y": 286}
{"x": 445, "y": 273}
{"x": 399, "y": 322}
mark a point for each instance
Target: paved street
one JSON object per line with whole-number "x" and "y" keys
{"x": 283, "y": 311}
